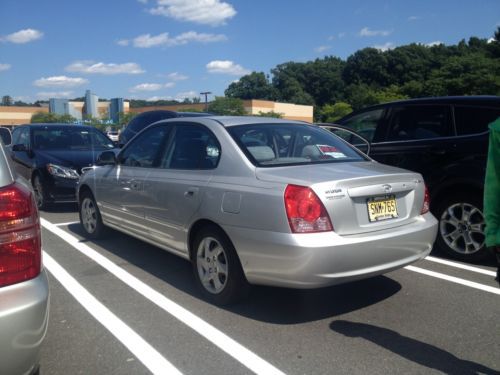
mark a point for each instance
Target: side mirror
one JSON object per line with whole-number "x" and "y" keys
{"x": 106, "y": 158}
{"x": 5, "y": 136}
{"x": 19, "y": 148}
{"x": 350, "y": 136}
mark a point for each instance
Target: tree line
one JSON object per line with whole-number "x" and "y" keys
{"x": 371, "y": 76}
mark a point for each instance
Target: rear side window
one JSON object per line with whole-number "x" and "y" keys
{"x": 474, "y": 120}
{"x": 365, "y": 123}
{"x": 273, "y": 145}
{"x": 420, "y": 122}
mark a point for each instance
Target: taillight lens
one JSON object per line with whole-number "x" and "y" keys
{"x": 20, "y": 239}
{"x": 427, "y": 202}
{"x": 305, "y": 212}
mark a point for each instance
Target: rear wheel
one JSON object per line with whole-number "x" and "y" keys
{"x": 90, "y": 216}
{"x": 461, "y": 227}
{"x": 217, "y": 268}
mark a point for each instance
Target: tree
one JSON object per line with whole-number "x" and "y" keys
{"x": 270, "y": 114}
{"x": 47, "y": 117}
{"x": 227, "y": 106}
{"x": 124, "y": 118}
{"x": 6, "y": 100}
{"x": 333, "y": 112}
{"x": 251, "y": 86}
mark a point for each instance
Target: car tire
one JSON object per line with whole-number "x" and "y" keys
{"x": 90, "y": 216}
{"x": 461, "y": 227}
{"x": 40, "y": 195}
{"x": 217, "y": 268}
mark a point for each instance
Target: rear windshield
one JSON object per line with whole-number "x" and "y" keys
{"x": 270, "y": 145}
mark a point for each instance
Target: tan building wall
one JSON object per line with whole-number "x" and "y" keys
{"x": 252, "y": 107}
{"x": 13, "y": 115}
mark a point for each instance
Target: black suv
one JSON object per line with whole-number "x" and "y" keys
{"x": 446, "y": 140}
{"x": 144, "y": 119}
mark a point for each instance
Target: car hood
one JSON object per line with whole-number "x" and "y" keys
{"x": 69, "y": 158}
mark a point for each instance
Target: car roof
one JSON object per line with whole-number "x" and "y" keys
{"x": 44, "y": 125}
{"x": 228, "y": 121}
{"x": 473, "y": 99}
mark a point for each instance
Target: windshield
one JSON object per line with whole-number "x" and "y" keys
{"x": 70, "y": 138}
{"x": 268, "y": 145}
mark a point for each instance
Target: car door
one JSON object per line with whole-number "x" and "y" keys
{"x": 420, "y": 138}
{"x": 174, "y": 191}
{"x": 23, "y": 159}
{"x": 121, "y": 191}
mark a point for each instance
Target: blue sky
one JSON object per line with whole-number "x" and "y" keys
{"x": 172, "y": 49}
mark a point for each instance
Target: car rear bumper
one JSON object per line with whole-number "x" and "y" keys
{"x": 24, "y": 315}
{"x": 322, "y": 259}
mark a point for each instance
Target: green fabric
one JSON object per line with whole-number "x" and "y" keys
{"x": 492, "y": 187}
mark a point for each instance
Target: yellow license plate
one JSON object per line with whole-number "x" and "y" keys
{"x": 382, "y": 208}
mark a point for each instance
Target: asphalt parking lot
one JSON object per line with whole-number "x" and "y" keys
{"x": 121, "y": 306}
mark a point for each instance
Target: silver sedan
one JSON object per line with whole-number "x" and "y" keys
{"x": 253, "y": 200}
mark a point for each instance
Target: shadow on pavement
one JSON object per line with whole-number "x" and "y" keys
{"x": 273, "y": 305}
{"x": 413, "y": 350}
{"x": 62, "y": 208}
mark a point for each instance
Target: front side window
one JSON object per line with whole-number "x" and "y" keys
{"x": 192, "y": 147}
{"x": 22, "y": 137}
{"x": 474, "y": 120}
{"x": 420, "y": 122}
{"x": 269, "y": 145}
{"x": 145, "y": 150}
{"x": 53, "y": 137}
{"x": 365, "y": 124}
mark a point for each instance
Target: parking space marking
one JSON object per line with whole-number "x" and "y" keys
{"x": 144, "y": 352}
{"x": 461, "y": 266}
{"x": 66, "y": 224}
{"x": 456, "y": 280}
{"x": 243, "y": 355}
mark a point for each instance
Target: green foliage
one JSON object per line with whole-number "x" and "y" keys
{"x": 370, "y": 76}
{"x": 124, "y": 118}
{"x": 333, "y": 112}
{"x": 227, "y": 106}
{"x": 270, "y": 114}
{"x": 187, "y": 109}
{"x": 46, "y": 117}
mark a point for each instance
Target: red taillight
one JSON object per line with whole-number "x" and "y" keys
{"x": 427, "y": 202}
{"x": 306, "y": 213}
{"x": 20, "y": 240}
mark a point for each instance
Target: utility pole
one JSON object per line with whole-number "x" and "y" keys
{"x": 206, "y": 93}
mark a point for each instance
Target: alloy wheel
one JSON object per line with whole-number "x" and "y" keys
{"x": 462, "y": 228}
{"x": 212, "y": 265}
{"x": 89, "y": 215}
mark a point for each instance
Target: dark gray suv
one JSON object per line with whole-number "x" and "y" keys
{"x": 446, "y": 140}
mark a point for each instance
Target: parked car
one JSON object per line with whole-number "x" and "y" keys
{"x": 52, "y": 156}
{"x": 113, "y": 135}
{"x": 446, "y": 140}
{"x": 253, "y": 200}
{"x": 5, "y": 136}
{"x": 24, "y": 291}
{"x": 144, "y": 119}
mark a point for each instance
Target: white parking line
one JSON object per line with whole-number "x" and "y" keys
{"x": 461, "y": 266}
{"x": 144, "y": 352}
{"x": 212, "y": 334}
{"x": 456, "y": 280}
{"x": 66, "y": 224}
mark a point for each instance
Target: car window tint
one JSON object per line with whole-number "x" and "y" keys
{"x": 474, "y": 120}
{"x": 145, "y": 150}
{"x": 24, "y": 137}
{"x": 291, "y": 144}
{"x": 15, "y": 136}
{"x": 365, "y": 123}
{"x": 145, "y": 119}
{"x": 419, "y": 122}
{"x": 192, "y": 147}
{"x": 55, "y": 137}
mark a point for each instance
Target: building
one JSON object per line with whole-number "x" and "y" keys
{"x": 116, "y": 106}
{"x": 58, "y": 106}
{"x": 91, "y": 104}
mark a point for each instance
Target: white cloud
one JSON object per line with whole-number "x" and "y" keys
{"x": 54, "y": 94}
{"x": 23, "y": 36}
{"x": 177, "y": 76}
{"x": 413, "y": 18}
{"x": 432, "y": 44}
{"x": 90, "y": 67}
{"x": 322, "y": 49}
{"x": 365, "y": 31}
{"x": 342, "y": 35}
{"x": 491, "y": 40}
{"x": 384, "y": 47}
{"x": 186, "y": 95}
{"x": 4, "y": 67}
{"x": 156, "y": 98}
{"x": 205, "y": 12}
{"x": 123, "y": 42}
{"x": 152, "y": 86}
{"x": 163, "y": 39}
{"x": 60, "y": 81}
{"x": 226, "y": 67}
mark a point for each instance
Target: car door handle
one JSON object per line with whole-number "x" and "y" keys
{"x": 191, "y": 192}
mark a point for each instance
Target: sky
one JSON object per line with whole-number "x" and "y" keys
{"x": 176, "y": 49}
